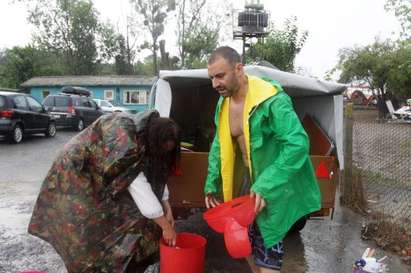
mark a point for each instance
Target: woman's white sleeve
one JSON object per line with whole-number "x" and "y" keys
{"x": 145, "y": 198}
{"x": 166, "y": 194}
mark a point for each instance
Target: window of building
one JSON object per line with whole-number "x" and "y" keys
{"x": 135, "y": 97}
{"x": 45, "y": 93}
{"x": 109, "y": 94}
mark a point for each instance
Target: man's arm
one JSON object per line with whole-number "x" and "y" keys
{"x": 212, "y": 185}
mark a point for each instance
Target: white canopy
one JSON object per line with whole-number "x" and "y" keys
{"x": 295, "y": 85}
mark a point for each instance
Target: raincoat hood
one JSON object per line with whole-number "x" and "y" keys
{"x": 141, "y": 119}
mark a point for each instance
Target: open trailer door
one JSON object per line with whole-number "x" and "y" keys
{"x": 192, "y": 105}
{"x": 186, "y": 187}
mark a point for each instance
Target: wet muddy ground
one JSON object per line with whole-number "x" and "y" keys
{"x": 324, "y": 246}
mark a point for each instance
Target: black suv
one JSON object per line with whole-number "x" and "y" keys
{"x": 73, "y": 107}
{"x": 22, "y": 114}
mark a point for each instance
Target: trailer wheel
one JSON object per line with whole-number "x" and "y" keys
{"x": 299, "y": 225}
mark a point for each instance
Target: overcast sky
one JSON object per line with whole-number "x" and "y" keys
{"x": 332, "y": 25}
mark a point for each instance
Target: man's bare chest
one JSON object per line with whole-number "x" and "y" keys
{"x": 236, "y": 119}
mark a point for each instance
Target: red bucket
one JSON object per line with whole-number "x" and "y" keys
{"x": 236, "y": 240}
{"x": 187, "y": 256}
{"x": 240, "y": 209}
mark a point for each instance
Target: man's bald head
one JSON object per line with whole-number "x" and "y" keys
{"x": 227, "y": 53}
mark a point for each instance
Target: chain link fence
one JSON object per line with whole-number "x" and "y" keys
{"x": 377, "y": 179}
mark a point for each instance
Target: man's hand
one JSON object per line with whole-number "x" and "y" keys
{"x": 211, "y": 201}
{"x": 259, "y": 202}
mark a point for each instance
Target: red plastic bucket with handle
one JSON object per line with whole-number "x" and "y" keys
{"x": 186, "y": 257}
{"x": 240, "y": 209}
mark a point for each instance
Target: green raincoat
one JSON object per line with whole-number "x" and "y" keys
{"x": 278, "y": 152}
{"x": 84, "y": 209}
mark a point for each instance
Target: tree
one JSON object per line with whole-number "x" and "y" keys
{"x": 154, "y": 13}
{"x": 399, "y": 74}
{"x": 107, "y": 42}
{"x": 22, "y": 63}
{"x": 402, "y": 10}
{"x": 199, "y": 44}
{"x": 67, "y": 28}
{"x": 188, "y": 17}
{"x": 2, "y": 56}
{"x": 166, "y": 61}
{"x": 145, "y": 68}
{"x": 280, "y": 47}
{"x": 123, "y": 63}
{"x": 18, "y": 66}
{"x": 71, "y": 29}
{"x": 197, "y": 31}
{"x": 385, "y": 66}
{"x": 369, "y": 63}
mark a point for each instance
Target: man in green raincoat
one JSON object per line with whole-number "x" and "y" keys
{"x": 259, "y": 137}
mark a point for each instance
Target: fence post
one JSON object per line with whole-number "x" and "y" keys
{"x": 347, "y": 173}
{"x": 352, "y": 192}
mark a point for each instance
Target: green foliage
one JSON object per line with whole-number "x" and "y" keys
{"x": 22, "y": 63}
{"x": 385, "y": 66}
{"x": 108, "y": 42}
{"x": 399, "y": 74}
{"x": 154, "y": 13}
{"x": 197, "y": 32}
{"x": 369, "y": 63}
{"x": 70, "y": 29}
{"x": 199, "y": 44}
{"x": 144, "y": 68}
{"x": 402, "y": 10}
{"x": 123, "y": 64}
{"x": 280, "y": 47}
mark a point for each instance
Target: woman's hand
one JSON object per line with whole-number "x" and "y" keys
{"x": 170, "y": 236}
{"x": 169, "y": 233}
{"x": 168, "y": 213}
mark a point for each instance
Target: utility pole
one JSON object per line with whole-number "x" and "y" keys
{"x": 252, "y": 23}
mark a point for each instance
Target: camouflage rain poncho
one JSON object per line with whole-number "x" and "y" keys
{"x": 84, "y": 208}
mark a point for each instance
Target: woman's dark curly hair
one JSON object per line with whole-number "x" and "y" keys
{"x": 160, "y": 162}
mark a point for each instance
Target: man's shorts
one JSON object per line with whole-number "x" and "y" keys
{"x": 271, "y": 258}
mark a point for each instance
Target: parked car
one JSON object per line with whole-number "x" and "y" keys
{"x": 107, "y": 107}
{"x": 187, "y": 96}
{"x": 73, "y": 108}
{"x": 22, "y": 114}
{"x": 404, "y": 113}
